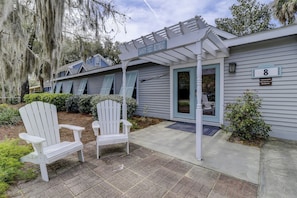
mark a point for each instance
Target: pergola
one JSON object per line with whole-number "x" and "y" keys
{"x": 191, "y": 40}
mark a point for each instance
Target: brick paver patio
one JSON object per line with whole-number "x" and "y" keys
{"x": 143, "y": 173}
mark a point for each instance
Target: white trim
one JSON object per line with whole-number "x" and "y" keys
{"x": 222, "y": 33}
{"x": 262, "y": 36}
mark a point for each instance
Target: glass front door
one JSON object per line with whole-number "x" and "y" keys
{"x": 185, "y": 93}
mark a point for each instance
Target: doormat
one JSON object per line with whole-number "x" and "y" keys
{"x": 190, "y": 127}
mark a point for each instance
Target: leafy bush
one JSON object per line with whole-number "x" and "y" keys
{"x": 57, "y": 99}
{"x": 8, "y": 115}
{"x": 131, "y": 103}
{"x": 245, "y": 118}
{"x": 11, "y": 169}
{"x": 72, "y": 104}
{"x": 84, "y": 104}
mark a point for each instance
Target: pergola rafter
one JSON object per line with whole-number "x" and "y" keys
{"x": 179, "y": 39}
{"x": 188, "y": 41}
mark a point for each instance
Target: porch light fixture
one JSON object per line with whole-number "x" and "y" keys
{"x": 232, "y": 68}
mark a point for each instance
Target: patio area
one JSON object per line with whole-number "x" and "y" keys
{"x": 143, "y": 173}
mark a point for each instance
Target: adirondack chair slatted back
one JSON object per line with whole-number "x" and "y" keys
{"x": 41, "y": 119}
{"x": 109, "y": 117}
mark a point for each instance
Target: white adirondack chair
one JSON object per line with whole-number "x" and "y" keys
{"x": 41, "y": 123}
{"x": 109, "y": 124}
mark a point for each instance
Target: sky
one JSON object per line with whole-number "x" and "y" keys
{"x": 147, "y": 16}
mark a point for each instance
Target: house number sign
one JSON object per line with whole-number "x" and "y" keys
{"x": 266, "y": 72}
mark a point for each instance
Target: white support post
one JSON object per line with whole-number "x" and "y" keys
{"x": 124, "y": 68}
{"x": 199, "y": 126}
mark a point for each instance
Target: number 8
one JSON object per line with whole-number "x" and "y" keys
{"x": 265, "y": 72}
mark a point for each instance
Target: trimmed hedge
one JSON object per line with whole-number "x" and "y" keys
{"x": 131, "y": 103}
{"x": 72, "y": 104}
{"x": 57, "y": 99}
{"x": 80, "y": 103}
{"x": 84, "y": 104}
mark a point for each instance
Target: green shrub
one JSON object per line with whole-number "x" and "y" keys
{"x": 57, "y": 99}
{"x": 11, "y": 169}
{"x": 245, "y": 118}
{"x": 84, "y": 104}
{"x": 60, "y": 100}
{"x": 8, "y": 115}
{"x": 131, "y": 103}
{"x": 72, "y": 104}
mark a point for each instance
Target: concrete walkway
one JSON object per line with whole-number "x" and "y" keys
{"x": 218, "y": 154}
{"x": 278, "y": 172}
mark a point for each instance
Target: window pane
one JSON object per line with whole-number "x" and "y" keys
{"x": 130, "y": 84}
{"x": 107, "y": 85}
{"x": 58, "y": 87}
{"x": 208, "y": 91}
{"x": 68, "y": 86}
{"x": 183, "y": 92}
{"x": 82, "y": 86}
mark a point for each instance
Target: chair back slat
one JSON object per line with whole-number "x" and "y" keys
{"x": 41, "y": 119}
{"x": 109, "y": 117}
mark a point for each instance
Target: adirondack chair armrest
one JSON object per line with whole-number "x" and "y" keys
{"x": 96, "y": 127}
{"x": 31, "y": 139}
{"x": 76, "y": 130}
{"x": 126, "y": 126}
{"x": 126, "y": 123}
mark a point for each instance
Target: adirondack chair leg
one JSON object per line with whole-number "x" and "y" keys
{"x": 43, "y": 170}
{"x": 127, "y": 147}
{"x": 80, "y": 156}
{"x": 98, "y": 152}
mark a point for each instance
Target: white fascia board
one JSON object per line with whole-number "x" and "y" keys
{"x": 262, "y": 36}
{"x": 222, "y": 33}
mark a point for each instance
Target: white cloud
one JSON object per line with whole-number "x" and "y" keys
{"x": 153, "y": 15}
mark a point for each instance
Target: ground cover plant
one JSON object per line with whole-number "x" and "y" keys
{"x": 8, "y": 115}
{"x": 11, "y": 169}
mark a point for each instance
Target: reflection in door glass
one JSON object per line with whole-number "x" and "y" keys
{"x": 183, "y": 92}
{"x": 208, "y": 91}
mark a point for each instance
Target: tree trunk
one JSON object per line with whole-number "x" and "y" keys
{"x": 24, "y": 89}
{"x": 3, "y": 95}
{"x": 41, "y": 81}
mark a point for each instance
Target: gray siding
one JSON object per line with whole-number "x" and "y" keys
{"x": 94, "y": 84}
{"x": 153, "y": 91}
{"x": 279, "y": 105}
{"x": 153, "y": 88}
